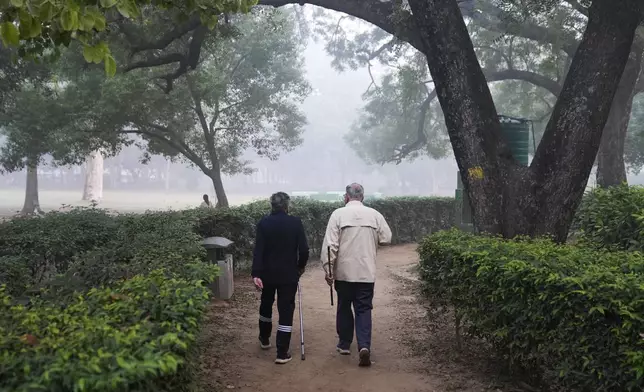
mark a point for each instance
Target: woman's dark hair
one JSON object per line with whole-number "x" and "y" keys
{"x": 279, "y": 202}
{"x": 205, "y": 198}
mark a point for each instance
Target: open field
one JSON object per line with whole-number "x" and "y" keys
{"x": 11, "y": 200}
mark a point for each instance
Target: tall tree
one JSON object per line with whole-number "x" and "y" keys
{"x": 521, "y": 48}
{"x": 244, "y": 94}
{"x": 35, "y": 125}
{"x": 524, "y": 74}
{"x": 505, "y": 197}
{"x": 399, "y": 121}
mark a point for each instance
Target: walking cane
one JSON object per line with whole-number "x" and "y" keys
{"x": 328, "y": 253}
{"x": 299, "y": 294}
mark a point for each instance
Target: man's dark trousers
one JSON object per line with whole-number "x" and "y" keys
{"x": 285, "y": 308}
{"x": 360, "y": 295}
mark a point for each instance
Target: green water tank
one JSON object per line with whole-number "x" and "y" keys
{"x": 516, "y": 132}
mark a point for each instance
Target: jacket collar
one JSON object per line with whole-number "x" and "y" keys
{"x": 354, "y": 203}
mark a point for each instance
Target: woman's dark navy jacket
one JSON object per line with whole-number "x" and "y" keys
{"x": 281, "y": 249}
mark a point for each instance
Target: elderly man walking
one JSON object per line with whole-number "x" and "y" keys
{"x": 279, "y": 259}
{"x": 353, "y": 235}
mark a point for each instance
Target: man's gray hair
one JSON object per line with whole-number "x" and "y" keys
{"x": 280, "y": 202}
{"x": 355, "y": 191}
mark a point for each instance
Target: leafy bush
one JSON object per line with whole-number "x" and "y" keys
{"x": 577, "y": 314}
{"x": 46, "y": 245}
{"x": 410, "y": 219}
{"x": 141, "y": 243}
{"x": 613, "y": 218}
{"x": 132, "y": 336}
{"x": 90, "y": 247}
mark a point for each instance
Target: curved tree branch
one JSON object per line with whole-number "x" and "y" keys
{"x": 384, "y": 14}
{"x": 169, "y": 37}
{"x": 186, "y": 61}
{"x": 495, "y": 19}
{"x": 169, "y": 141}
{"x": 402, "y": 152}
{"x": 155, "y": 61}
{"x": 527, "y": 76}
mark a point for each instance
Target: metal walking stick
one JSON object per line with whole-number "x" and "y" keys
{"x": 299, "y": 294}
{"x": 328, "y": 253}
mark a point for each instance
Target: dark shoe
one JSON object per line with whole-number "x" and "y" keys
{"x": 265, "y": 344}
{"x": 283, "y": 358}
{"x": 365, "y": 357}
{"x": 343, "y": 351}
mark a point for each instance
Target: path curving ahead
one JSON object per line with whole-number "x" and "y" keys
{"x": 232, "y": 359}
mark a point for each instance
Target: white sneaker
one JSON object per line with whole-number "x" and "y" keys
{"x": 282, "y": 360}
{"x": 343, "y": 351}
{"x": 265, "y": 345}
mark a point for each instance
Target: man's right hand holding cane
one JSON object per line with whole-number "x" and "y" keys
{"x": 328, "y": 276}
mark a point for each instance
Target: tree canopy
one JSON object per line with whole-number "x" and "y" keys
{"x": 38, "y": 26}
{"x": 525, "y": 54}
{"x": 243, "y": 94}
{"x": 505, "y": 196}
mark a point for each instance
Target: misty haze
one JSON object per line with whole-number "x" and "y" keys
{"x": 446, "y": 192}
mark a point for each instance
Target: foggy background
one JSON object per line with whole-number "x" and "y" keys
{"x": 324, "y": 162}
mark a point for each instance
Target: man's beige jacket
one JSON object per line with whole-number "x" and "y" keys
{"x": 354, "y": 233}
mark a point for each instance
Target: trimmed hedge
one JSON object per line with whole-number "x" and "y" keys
{"x": 134, "y": 336}
{"x": 613, "y": 218}
{"x": 410, "y": 219}
{"x": 95, "y": 302}
{"x": 575, "y": 314}
{"x": 89, "y": 247}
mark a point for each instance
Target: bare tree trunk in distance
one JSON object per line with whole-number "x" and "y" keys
{"x": 31, "y": 204}
{"x": 93, "y": 189}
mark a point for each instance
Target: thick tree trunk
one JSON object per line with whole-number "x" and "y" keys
{"x": 93, "y": 190}
{"x": 218, "y": 184}
{"x": 611, "y": 169}
{"x": 568, "y": 149}
{"x": 484, "y": 159}
{"x": 506, "y": 197}
{"x": 31, "y": 204}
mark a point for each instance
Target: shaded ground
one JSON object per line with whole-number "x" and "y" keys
{"x": 410, "y": 353}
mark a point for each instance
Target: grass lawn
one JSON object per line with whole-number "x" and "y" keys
{"x": 11, "y": 200}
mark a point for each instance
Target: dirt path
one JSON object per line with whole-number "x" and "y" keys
{"x": 404, "y": 360}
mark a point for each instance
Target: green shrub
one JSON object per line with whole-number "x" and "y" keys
{"x": 142, "y": 243}
{"x": 100, "y": 302}
{"x": 410, "y": 219}
{"x": 576, "y": 314}
{"x": 89, "y": 247}
{"x": 613, "y": 218}
{"x": 133, "y": 336}
{"x": 45, "y": 245}
{"x": 101, "y": 248}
